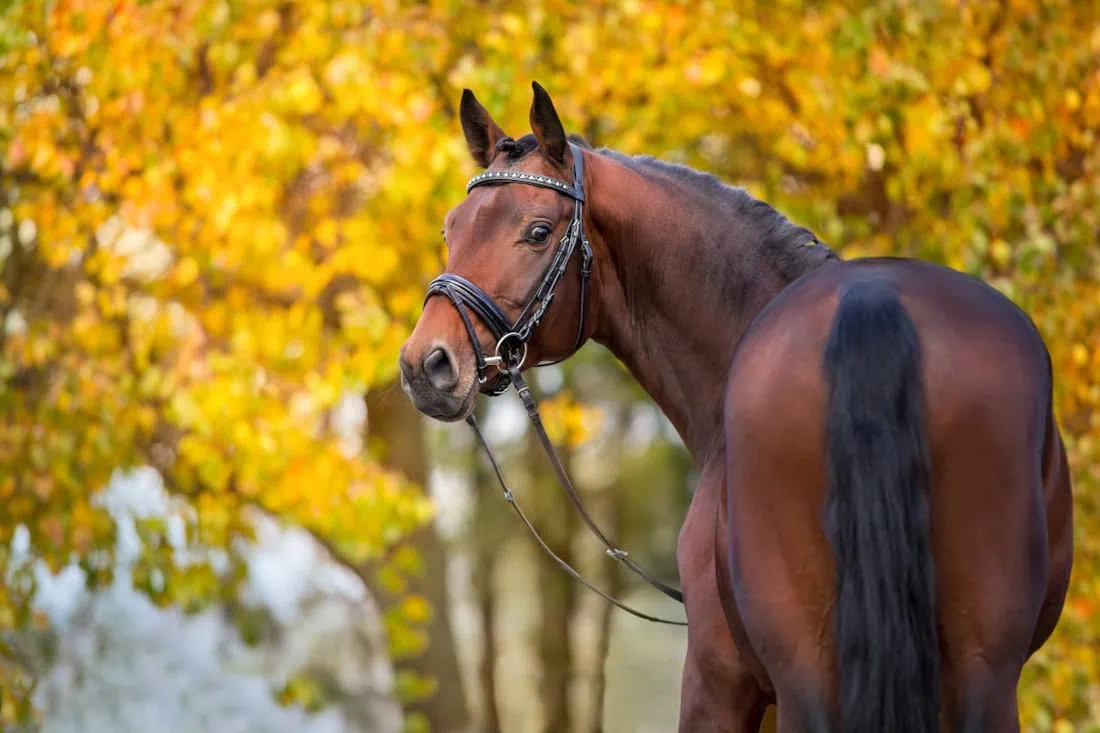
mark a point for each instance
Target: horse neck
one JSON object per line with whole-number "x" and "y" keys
{"x": 679, "y": 278}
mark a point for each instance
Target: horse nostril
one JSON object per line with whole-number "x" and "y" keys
{"x": 440, "y": 371}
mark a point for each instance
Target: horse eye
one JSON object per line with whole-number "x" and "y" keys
{"x": 538, "y": 233}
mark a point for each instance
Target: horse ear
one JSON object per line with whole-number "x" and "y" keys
{"x": 546, "y": 125}
{"x": 482, "y": 134}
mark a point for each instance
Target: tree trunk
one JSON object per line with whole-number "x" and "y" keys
{"x": 486, "y": 533}
{"x": 557, "y": 524}
{"x": 607, "y": 511}
{"x": 396, "y": 436}
{"x": 487, "y": 665}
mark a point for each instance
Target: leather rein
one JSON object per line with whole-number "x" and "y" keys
{"x": 511, "y": 352}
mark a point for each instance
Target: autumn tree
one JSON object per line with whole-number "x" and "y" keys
{"x": 198, "y": 262}
{"x": 218, "y": 219}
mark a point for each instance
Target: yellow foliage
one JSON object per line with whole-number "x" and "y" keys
{"x": 221, "y": 215}
{"x": 568, "y": 421}
{"x": 195, "y": 259}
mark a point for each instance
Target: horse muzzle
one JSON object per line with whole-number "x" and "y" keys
{"x": 434, "y": 384}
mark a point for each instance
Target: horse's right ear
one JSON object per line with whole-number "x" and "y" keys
{"x": 482, "y": 134}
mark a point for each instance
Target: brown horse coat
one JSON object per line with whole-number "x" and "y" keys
{"x": 882, "y": 532}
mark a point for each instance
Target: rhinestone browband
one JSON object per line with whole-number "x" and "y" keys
{"x": 531, "y": 178}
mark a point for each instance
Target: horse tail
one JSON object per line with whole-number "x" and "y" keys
{"x": 877, "y": 517}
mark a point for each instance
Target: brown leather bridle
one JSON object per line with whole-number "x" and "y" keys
{"x": 511, "y": 337}
{"x": 511, "y": 352}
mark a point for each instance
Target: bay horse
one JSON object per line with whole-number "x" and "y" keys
{"x": 881, "y": 534}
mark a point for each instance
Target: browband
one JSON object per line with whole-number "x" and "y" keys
{"x": 575, "y": 191}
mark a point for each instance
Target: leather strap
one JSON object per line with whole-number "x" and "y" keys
{"x": 477, "y": 300}
{"x": 532, "y": 411}
{"x": 529, "y": 404}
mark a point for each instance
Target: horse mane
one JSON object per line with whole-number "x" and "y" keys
{"x": 789, "y": 248}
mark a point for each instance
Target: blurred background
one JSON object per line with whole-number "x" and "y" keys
{"x": 217, "y": 220}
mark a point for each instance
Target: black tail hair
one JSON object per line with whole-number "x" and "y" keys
{"x": 877, "y": 517}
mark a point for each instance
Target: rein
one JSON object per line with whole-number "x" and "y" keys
{"x": 511, "y": 352}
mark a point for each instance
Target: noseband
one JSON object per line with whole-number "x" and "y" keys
{"x": 512, "y": 337}
{"x": 511, "y": 352}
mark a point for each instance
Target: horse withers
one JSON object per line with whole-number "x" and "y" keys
{"x": 881, "y": 535}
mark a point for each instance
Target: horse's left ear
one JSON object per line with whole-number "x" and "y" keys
{"x": 546, "y": 125}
